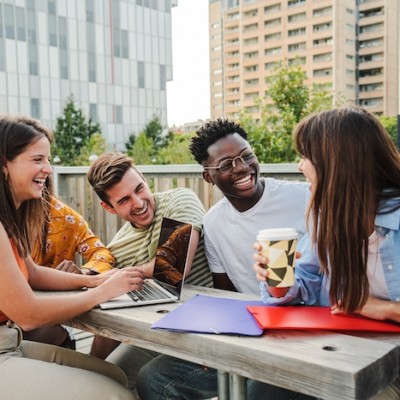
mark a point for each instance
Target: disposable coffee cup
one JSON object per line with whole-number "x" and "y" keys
{"x": 279, "y": 247}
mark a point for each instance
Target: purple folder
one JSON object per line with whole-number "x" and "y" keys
{"x": 206, "y": 314}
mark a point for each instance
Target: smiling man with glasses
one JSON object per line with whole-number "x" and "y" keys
{"x": 230, "y": 227}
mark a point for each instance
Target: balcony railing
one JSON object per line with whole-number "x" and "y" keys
{"x": 73, "y": 188}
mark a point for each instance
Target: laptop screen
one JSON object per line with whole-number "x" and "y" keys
{"x": 171, "y": 255}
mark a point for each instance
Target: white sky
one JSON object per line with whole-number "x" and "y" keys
{"x": 188, "y": 94}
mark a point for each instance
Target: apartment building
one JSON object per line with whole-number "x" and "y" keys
{"x": 113, "y": 56}
{"x": 350, "y": 47}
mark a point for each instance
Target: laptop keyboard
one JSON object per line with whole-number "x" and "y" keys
{"x": 149, "y": 292}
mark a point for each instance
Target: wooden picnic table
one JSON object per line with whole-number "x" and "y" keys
{"x": 327, "y": 365}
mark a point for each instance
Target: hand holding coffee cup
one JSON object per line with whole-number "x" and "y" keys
{"x": 278, "y": 246}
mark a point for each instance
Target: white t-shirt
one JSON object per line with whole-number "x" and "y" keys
{"x": 230, "y": 234}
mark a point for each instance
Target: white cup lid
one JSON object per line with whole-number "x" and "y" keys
{"x": 277, "y": 234}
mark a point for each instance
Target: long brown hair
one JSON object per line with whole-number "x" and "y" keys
{"x": 24, "y": 223}
{"x": 357, "y": 166}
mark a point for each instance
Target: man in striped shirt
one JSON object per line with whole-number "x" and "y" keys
{"x": 123, "y": 190}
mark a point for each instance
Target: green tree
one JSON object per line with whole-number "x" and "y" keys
{"x": 155, "y": 131}
{"x": 390, "y": 124}
{"x": 73, "y": 131}
{"x": 177, "y": 151}
{"x": 95, "y": 146}
{"x": 289, "y": 98}
{"x": 142, "y": 151}
{"x": 131, "y": 141}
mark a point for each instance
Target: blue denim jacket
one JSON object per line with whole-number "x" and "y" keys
{"x": 312, "y": 287}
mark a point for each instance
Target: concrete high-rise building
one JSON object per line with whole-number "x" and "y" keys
{"x": 350, "y": 47}
{"x": 113, "y": 56}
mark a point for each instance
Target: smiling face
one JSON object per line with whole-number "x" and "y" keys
{"x": 27, "y": 172}
{"x": 242, "y": 186}
{"x": 132, "y": 200}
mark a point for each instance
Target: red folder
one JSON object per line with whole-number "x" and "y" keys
{"x": 305, "y": 317}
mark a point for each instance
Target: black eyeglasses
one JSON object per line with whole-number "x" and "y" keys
{"x": 246, "y": 157}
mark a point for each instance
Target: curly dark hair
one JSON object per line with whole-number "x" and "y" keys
{"x": 210, "y": 133}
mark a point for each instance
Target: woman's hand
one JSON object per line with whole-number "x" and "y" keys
{"x": 260, "y": 265}
{"x": 261, "y": 270}
{"x": 117, "y": 282}
{"x": 375, "y": 309}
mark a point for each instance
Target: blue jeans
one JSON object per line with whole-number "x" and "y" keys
{"x": 169, "y": 378}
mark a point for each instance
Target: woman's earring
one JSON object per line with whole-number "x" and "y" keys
{"x": 6, "y": 176}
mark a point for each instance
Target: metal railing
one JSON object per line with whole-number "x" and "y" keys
{"x": 73, "y": 188}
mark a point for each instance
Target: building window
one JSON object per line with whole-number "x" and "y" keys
{"x": 20, "y": 17}
{"x": 118, "y": 115}
{"x": 63, "y": 37}
{"x": 322, "y": 72}
{"x": 297, "y": 17}
{"x": 274, "y": 8}
{"x": 297, "y": 61}
{"x": 251, "y": 68}
{"x": 251, "y": 41}
{"x": 9, "y": 21}
{"x": 35, "y": 108}
{"x": 270, "y": 66}
{"x": 322, "y": 27}
{"x": 371, "y": 43}
{"x": 141, "y": 75}
{"x": 297, "y": 46}
{"x": 163, "y": 78}
{"x": 92, "y": 67}
{"x": 251, "y": 13}
{"x": 322, "y": 57}
{"x": 124, "y": 44}
{"x": 33, "y": 59}
{"x": 378, "y": 27}
{"x": 1, "y": 21}
{"x": 93, "y": 112}
{"x": 89, "y": 11}
{"x": 371, "y": 102}
{"x": 251, "y": 54}
{"x": 272, "y": 22}
{"x": 297, "y": 32}
{"x": 321, "y": 12}
{"x": 322, "y": 42}
{"x": 296, "y": 3}
{"x": 371, "y": 57}
{"x": 371, "y": 72}
{"x": 273, "y": 51}
{"x": 2, "y": 55}
{"x": 371, "y": 87}
{"x": 272, "y": 36}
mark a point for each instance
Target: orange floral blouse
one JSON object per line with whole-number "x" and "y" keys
{"x": 69, "y": 234}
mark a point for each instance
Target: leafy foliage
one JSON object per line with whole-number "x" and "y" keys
{"x": 95, "y": 146}
{"x": 177, "y": 151}
{"x": 390, "y": 124}
{"x": 142, "y": 151}
{"x": 73, "y": 132}
{"x": 288, "y": 100}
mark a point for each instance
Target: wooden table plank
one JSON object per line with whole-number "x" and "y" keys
{"x": 327, "y": 365}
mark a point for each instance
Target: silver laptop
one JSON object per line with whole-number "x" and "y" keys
{"x": 169, "y": 269}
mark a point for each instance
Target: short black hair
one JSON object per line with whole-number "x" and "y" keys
{"x": 210, "y": 133}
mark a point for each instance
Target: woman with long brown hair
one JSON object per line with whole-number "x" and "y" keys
{"x": 350, "y": 260}
{"x": 29, "y": 369}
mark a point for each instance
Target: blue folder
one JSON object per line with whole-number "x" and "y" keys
{"x": 216, "y": 315}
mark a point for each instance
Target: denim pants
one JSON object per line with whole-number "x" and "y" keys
{"x": 37, "y": 371}
{"x": 169, "y": 378}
